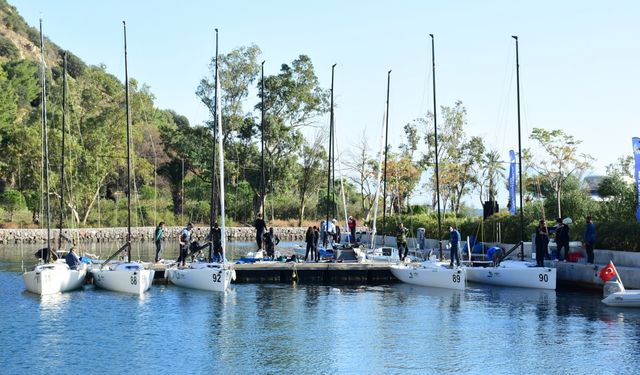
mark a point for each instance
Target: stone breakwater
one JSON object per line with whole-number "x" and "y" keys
{"x": 140, "y": 234}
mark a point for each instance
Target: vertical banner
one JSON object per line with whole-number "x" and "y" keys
{"x": 512, "y": 183}
{"x": 636, "y": 156}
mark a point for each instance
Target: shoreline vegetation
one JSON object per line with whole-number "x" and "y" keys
{"x": 172, "y": 168}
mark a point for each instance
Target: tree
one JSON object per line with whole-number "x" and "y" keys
{"x": 490, "y": 170}
{"x": 310, "y": 176}
{"x": 12, "y": 201}
{"x": 562, "y": 160}
{"x": 458, "y": 155}
{"x": 364, "y": 175}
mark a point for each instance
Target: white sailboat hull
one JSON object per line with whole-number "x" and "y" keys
{"x": 213, "y": 277}
{"x": 54, "y": 278}
{"x": 378, "y": 255}
{"x": 625, "y": 298}
{"x": 514, "y": 274}
{"x": 125, "y": 278}
{"x": 431, "y": 274}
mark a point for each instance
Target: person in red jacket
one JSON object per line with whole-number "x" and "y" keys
{"x": 352, "y": 228}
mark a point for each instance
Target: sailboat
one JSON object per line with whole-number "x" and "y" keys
{"x": 128, "y": 276}
{"x": 432, "y": 273}
{"x": 211, "y": 276}
{"x": 56, "y": 277}
{"x": 513, "y": 272}
{"x": 383, "y": 254}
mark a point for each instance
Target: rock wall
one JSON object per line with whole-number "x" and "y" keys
{"x": 141, "y": 234}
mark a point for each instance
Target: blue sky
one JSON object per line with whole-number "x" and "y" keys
{"x": 578, "y": 59}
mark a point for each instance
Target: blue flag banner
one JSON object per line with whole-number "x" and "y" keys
{"x": 636, "y": 156}
{"x": 512, "y": 183}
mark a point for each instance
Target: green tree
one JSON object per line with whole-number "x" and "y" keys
{"x": 561, "y": 160}
{"x": 12, "y": 201}
{"x": 310, "y": 176}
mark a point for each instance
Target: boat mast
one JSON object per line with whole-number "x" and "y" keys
{"x": 46, "y": 144}
{"x": 262, "y": 198}
{"x": 326, "y": 223}
{"x": 386, "y": 148}
{"x": 435, "y": 134}
{"x": 519, "y": 152}
{"x": 212, "y": 210}
{"x": 64, "y": 125}
{"x": 218, "y": 124}
{"x": 126, "y": 96}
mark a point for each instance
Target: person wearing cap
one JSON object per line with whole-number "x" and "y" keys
{"x": 185, "y": 242}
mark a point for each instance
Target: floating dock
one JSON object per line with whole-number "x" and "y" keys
{"x": 307, "y": 273}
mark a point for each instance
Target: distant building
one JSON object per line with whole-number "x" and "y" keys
{"x": 592, "y": 184}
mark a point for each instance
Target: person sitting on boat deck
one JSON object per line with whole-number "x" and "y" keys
{"x": 401, "y": 241}
{"x": 157, "y": 238}
{"x": 454, "y": 239}
{"x": 336, "y": 236}
{"x": 542, "y": 241}
{"x": 589, "y": 240}
{"x": 185, "y": 242}
{"x": 270, "y": 242}
{"x": 316, "y": 238}
{"x": 308, "y": 239}
{"x": 261, "y": 228}
{"x": 352, "y": 229}
{"x": 72, "y": 259}
{"x": 216, "y": 239}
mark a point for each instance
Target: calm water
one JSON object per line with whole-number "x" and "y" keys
{"x": 281, "y": 329}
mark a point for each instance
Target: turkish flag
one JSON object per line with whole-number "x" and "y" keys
{"x": 608, "y": 272}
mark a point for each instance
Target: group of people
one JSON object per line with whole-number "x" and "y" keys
{"x": 188, "y": 247}
{"x": 562, "y": 237}
{"x": 264, "y": 238}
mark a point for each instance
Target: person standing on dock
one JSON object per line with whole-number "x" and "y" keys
{"x": 562, "y": 239}
{"x": 261, "y": 228}
{"x": 157, "y": 239}
{"x": 308, "y": 239}
{"x": 352, "y": 229}
{"x": 542, "y": 241}
{"x": 270, "y": 242}
{"x": 316, "y": 238}
{"x": 336, "y": 237}
{"x": 589, "y": 240}
{"x": 216, "y": 239}
{"x": 185, "y": 241}
{"x": 454, "y": 240}
{"x": 401, "y": 241}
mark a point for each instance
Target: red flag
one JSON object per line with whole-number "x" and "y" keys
{"x": 608, "y": 272}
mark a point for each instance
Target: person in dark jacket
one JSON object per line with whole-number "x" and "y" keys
{"x": 270, "y": 242}
{"x": 72, "y": 259}
{"x": 315, "y": 255}
{"x": 454, "y": 239}
{"x": 216, "y": 239}
{"x": 589, "y": 239}
{"x": 401, "y": 241}
{"x": 562, "y": 239}
{"x": 309, "y": 240}
{"x": 157, "y": 239}
{"x": 541, "y": 241}
{"x": 261, "y": 227}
